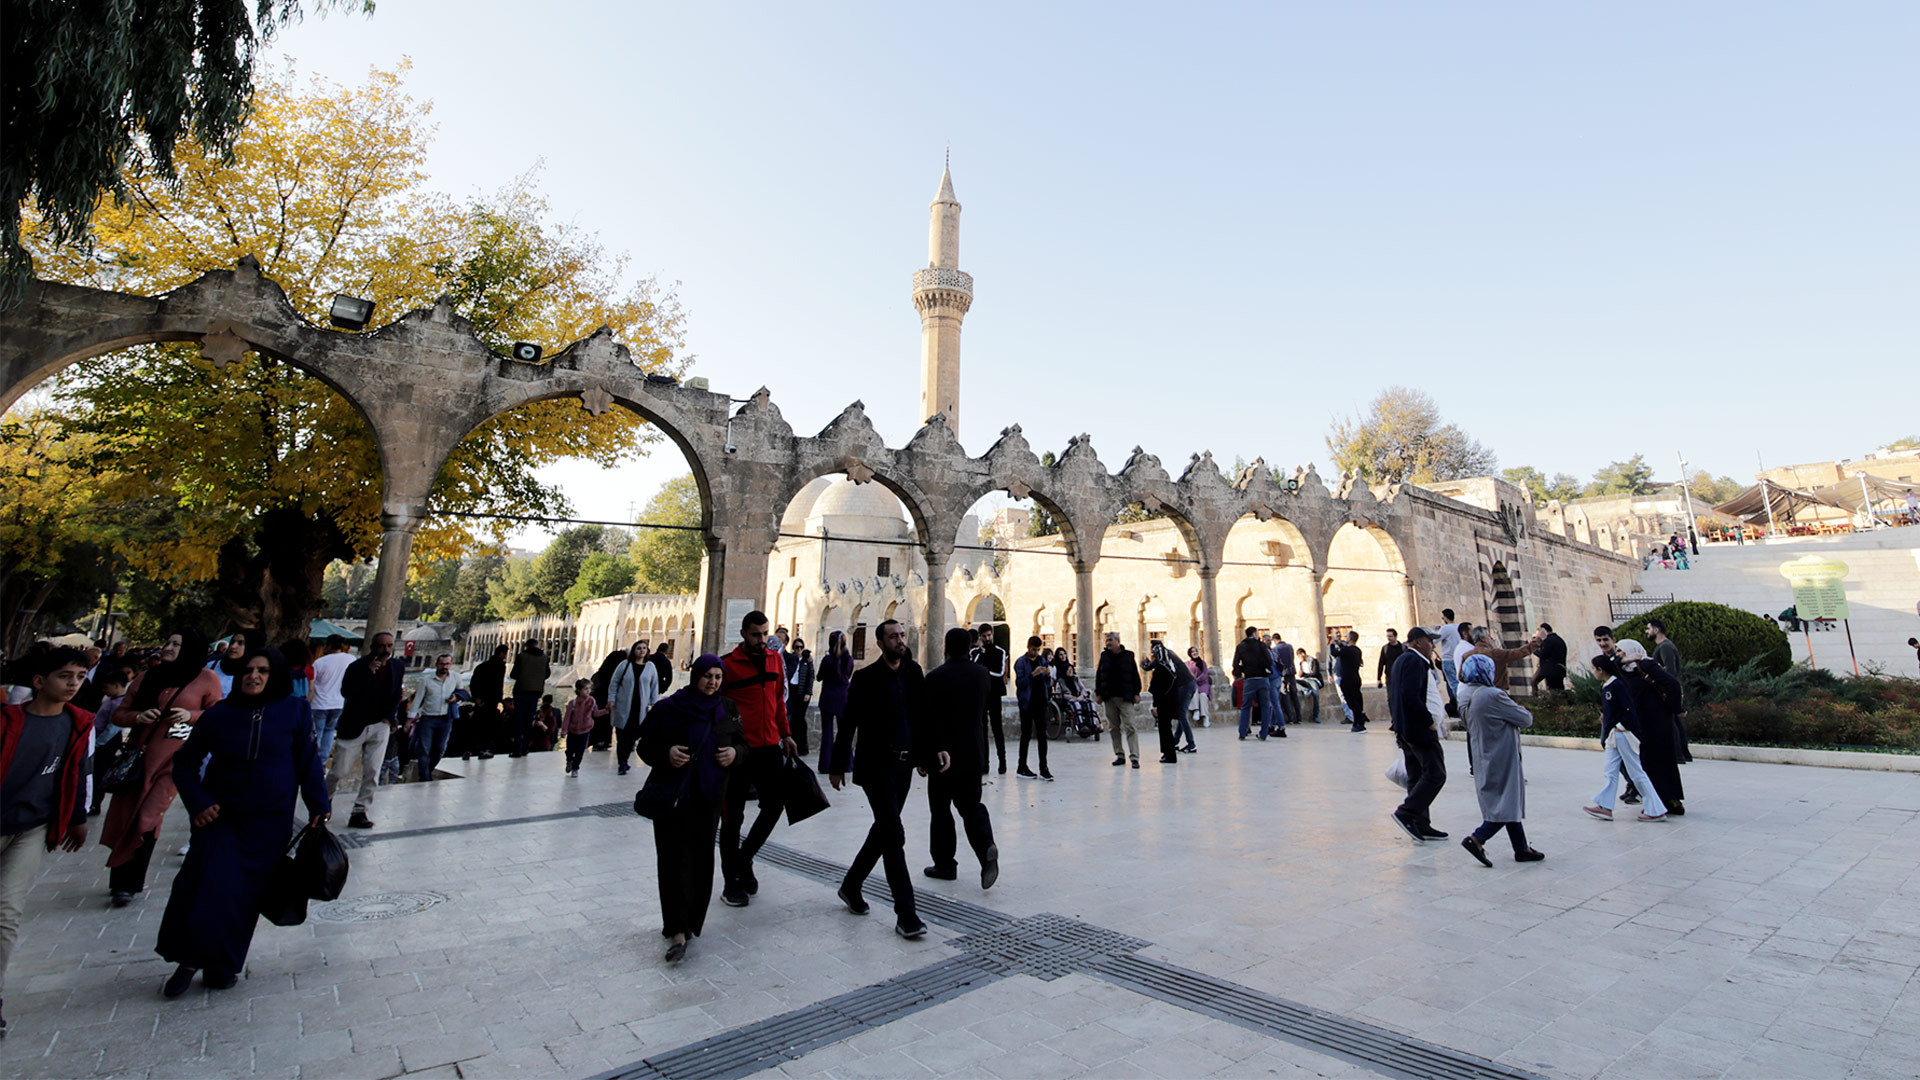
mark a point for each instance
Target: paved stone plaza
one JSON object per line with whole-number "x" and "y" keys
{"x": 1248, "y": 912}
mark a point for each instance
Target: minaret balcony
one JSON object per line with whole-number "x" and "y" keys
{"x": 944, "y": 279}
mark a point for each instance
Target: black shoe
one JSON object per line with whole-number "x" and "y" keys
{"x": 1358, "y": 729}
{"x": 943, "y": 873}
{"x": 1046, "y": 776}
{"x": 912, "y": 933}
{"x": 1189, "y": 749}
{"x": 1136, "y": 763}
{"x": 122, "y": 899}
{"x": 1003, "y": 768}
{"x": 178, "y": 982}
{"x": 1025, "y": 773}
{"x": 1408, "y": 827}
{"x": 466, "y": 757}
{"x": 1528, "y": 855}
{"x": 852, "y": 898}
{"x": 676, "y": 952}
{"x": 485, "y": 754}
{"x": 1243, "y": 738}
{"x": 214, "y": 980}
{"x": 1262, "y": 736}
{"x": 751, "y": 884}
{"x": 990, "y": 867}
{"x": 1477, "y": 851}
{"x": 3, "y": 1023}
{"x": 1432, "y": 834}
{"x": 1282, "y": 733}
{"x": 1169, "y": 759}
{"x": 1677, "y": 809}
{"x": 734, "y": 897}
{"x": 1119, "y": 760}
{"x": 625, "y": 769}
{"x": 359, "y": 821}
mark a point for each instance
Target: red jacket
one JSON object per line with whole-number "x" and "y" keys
{"x": 71, "y": 790}
{"x": 760, "y": 689}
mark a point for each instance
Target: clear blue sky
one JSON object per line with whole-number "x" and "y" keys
{"x": 1587, "y": 232}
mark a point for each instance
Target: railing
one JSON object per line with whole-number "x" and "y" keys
{"x": 1622, "y": 608}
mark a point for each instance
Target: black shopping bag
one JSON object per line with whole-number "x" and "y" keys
{"x": 800, "y": 791}
{"x": 284, "y": 903}
{"x": 322, "y": 863}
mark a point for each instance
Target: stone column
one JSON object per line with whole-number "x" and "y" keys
{"x": 1319, "y": 616}
{"x": 1413, "y": 610}
{"x": 1210, "y": 644}
{"x": 1088, "y": 653}
{"x": 733, "y": 583}
{"x": 390, "y": 576}
{"x": 935, "y": 635}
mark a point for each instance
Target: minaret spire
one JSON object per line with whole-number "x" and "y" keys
{"x": 942, "y": 293}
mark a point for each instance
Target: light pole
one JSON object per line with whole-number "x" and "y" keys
{"x": 1693, "y": 539}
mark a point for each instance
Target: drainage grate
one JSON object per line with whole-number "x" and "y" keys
{"x": 932, "y": 906}
{"x": 377, "y": 907}
{"x": 791, "y": 1035}
{"x": 1046, "y": 946}
{"x": 1377, "y": 1048}
{"x": 436, "y": 830}
{"x": 610, "y": 810}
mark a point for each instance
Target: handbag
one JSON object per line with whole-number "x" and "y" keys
{"x": 284, "y": 901}
{"x": 321, "y": 862}
{"x": 664, "y": 790}
{"x": 800, "y": 791}
{"x": 129, "y": 771}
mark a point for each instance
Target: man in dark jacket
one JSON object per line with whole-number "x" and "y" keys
{"x": 372, "y": 696}
{"x": 662, "y": 661}
{"x": 488, "y": 686}
{"x": 992, "y": 657}
{"x": 1253, "y": 666}
{"x": 530, "y": 674}
{"x": 798, "y": 662}
{"x": 1116, "y": 685}
{"x": 1550, "y": 660}
{"x": 1352, "y": 678}
{"x": 1388, "y": 654}
{"x": 882, "y": 701}
{"x": 950, "y": 742}
{"x": 1419, "y": 740}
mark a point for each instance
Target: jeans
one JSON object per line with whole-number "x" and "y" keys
{"x": 1453, "y": 679}
{"x": 524, "y": 708}
{"x": 430, "y": 737}
{"x": 1623, "y": 757}
{"x": 886, "y": 841}
{"x": 1261, "y": 687}
{"x": 577, "y": 748}
{"x": 1182, "y": 728}
{"x": 325, "y": 723}
{"x": 361, "y": 755}
{"x": 1426, "y": 775}
{"x": 20, "y": 856}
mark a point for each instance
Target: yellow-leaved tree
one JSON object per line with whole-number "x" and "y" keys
{"x": 251, "y": 479}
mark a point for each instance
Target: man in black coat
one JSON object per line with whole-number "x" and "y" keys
{"x": 1550, "y": 660}
{"x": 882, "y": 700}
{"x": 991, "y": 656}
{"x": 950, "y": 743}
{"x": 1116, "y": 683}
{"x": 488, "y": 686}
{"x": 1413, "y": 728}
{"x": 371, "y": 690}
{"x": 1352, "y": 669}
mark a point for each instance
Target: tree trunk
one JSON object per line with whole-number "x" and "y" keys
{"x": 274, "y": 578}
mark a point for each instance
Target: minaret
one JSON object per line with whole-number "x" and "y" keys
{"x": 943, "y": 293}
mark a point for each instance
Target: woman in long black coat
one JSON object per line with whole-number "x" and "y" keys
{"x": 259, "y": 755}
{"x": 693, "y": 738}
{"x": 1656, "y": 698}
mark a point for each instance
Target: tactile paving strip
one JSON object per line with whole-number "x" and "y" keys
{"x": 1045, "y": 946}
{"x": 932, "y": 906}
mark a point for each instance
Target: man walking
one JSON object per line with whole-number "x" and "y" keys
{"x": 1667, "y": 655}
{"x": 1419, "y": 739}
{"x": 430, "y": 720}
{"x": 1388, "y": 654}
{"x": 1032, "y": 676}
{"x": 798, "y": 662}
{"x": 372, "y": 693}
{"x": 1116, "y": 684}
{"x": 1550, "y": 660}
{"x": 1352, "y": 678}
{"x": 756, "y": 682}
{"x": 882, "y": 701}
{"x": 1253, "y": 666}
{"x": 488, "y": 686}
{"x": 1447, "y": 636}
{"x": 323, "y": 693}
{"x": 993, "y": 658}
{"x": 1284, "y": 679}
{"x": 530, "y": 674}
{"x": 950, "y": 742}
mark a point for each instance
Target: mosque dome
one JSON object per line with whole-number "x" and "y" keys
{"x": 794, "y": 521}
{"x": 868, "y": 511}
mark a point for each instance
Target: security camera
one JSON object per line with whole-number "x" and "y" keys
{"x": 526, "y": 352}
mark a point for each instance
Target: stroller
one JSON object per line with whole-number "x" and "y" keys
{"x": 1071, "y": 712}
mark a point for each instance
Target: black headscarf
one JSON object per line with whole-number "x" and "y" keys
{"x": 279, "y": 681}
{"x": 173, "y": 674}
{"x": 255, "y": 638}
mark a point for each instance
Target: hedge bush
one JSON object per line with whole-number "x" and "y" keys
{"x": 1797, "y": 708}
{"x": 1715, "y": 636}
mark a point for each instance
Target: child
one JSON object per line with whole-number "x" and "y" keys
{"x": 106, "y": 734}
{"x": 546, "y": 726}
{"x": 580, "y": 714}
{"x": 45, "y": 747}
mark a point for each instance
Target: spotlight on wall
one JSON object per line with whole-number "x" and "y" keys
{"x": 526, "y": 352}
{"x": 656, "y": 379}
{"x": 1293, "y": 485}
{"x": 350, "y": 312}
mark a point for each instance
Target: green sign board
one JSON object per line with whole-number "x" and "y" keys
{"x": 1819, "y": 586}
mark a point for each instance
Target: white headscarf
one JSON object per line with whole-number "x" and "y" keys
{"x": 1631, "y": 653}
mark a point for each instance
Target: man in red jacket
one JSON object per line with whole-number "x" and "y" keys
{"x": 45, "y": 747}
{"x": 756, "y": 682}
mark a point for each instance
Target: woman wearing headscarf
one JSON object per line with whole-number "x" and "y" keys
{"x": 1494, "y": 721}
{"x": 258, "y": 753}
{"x": 226, "y": 666}
{"x": 631, "y": 690}
{"x": 836, "y": 672}
{"x": 696, "y": 736}
{"x": 1656, "y": 698}
{"x": 158, "y": 712}
{"x": 1620, "y": 736}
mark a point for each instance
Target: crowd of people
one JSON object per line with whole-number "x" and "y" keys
{"x": 241, "y": 733}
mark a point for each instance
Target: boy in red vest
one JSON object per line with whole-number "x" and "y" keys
{"x": 45, "y": 744}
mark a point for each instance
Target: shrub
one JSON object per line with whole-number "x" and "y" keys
{"x": 1715, "y": 636}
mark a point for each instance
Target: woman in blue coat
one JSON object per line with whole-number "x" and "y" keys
{"x": 258, "y": 754}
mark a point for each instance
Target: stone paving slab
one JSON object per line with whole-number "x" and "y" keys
{"x": 1774, "y": 931}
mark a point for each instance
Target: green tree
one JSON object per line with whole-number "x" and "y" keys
{"x": 668, "y": 560}
{"x": 1039, "y": 519}
{"x": 1403, "y": 438}
{"x": 467, "y": 604}
{"x": 1712, "y": 490}
{"x": 510, "y": 593}
{"x": 601, "y": 575}
{"x": 1632, "y": 477}
{"x": 1544, "y": 490}
{"x": 98, "y": 92}
{"x": 556, "y": 569}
